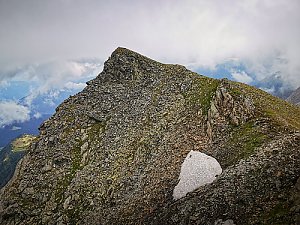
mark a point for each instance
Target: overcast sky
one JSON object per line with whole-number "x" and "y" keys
{"x": 262, "y": 34}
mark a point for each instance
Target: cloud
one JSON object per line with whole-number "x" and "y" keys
{"x": 269, "y": 90}
{"x": 75, "y": 86}
{"x": 15, "y": 128}
{"x": 37, "y": 115}
{"x": 4, "y": 83}
{"x": 53, "y": 74}
{"x": 52, "y": 77}
{"x": 263, "y": 34}
{"x": 11, "y": 112}
{"x": 56, "y": 74}
{"x": 242, "y": 77}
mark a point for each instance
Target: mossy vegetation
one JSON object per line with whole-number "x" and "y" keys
{"x": 278, "y": 215}
{"x": 95, "y": 130}
{"x": 76, "y": 165}
{"x": 76, "y": 160}
{"x": 62, "y": 185}
{"x": 281, "y": 113}
{"x": 74, "y": 214}
{"x": 23, "y": 143}
{"x": 8, "y": 162}
{"x": 201, "y": 93}
{"x": 116, "y": 148}
{"x": 243, "y": 142}
{"x": 235, "y": 92}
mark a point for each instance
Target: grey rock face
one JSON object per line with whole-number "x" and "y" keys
{"x": 295, "y": 97}
{"x": 112, "y": 153}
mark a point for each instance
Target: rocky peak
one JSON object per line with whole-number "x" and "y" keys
{"x": 112, "y": 153}
{"x": 126, "y": 65}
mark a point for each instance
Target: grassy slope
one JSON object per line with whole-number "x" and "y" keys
{"x": 282, "y": 117}
{"x": 272, "y": 118}
{"x": 279, "y": 111}
{"x": 22, "y": 143}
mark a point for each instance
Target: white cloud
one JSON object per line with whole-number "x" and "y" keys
{"x": 52, "y": 77}
{"x": 263, "y": 34}
{"x": 269, "y": 90}
{"x": 15, "y": 128}
{"x": 55, "y": 74}
{"x": 11, "y": 112}
{"x": 37, "y": 115}
{"x": 4, "y": 83}
{"x": 49, "y": 102}
{"x": 241, "y": 76}
{"x": 75, "y": 86}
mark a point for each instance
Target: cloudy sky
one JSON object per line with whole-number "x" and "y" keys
{"x": 62, "y": 43}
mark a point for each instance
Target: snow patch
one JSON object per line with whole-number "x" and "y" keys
{"x": 197, "y": 170}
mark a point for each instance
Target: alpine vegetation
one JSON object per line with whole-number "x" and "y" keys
{"x": 113, "y": 153}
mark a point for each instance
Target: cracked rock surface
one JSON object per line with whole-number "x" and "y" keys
{"x": 112, "y": 153}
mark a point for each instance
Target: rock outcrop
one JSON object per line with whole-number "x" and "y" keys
{"x": 295, "y": 97}
{"x": 112, "y": 153}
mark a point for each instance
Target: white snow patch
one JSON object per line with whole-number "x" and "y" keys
{"x": 197, "y": 170}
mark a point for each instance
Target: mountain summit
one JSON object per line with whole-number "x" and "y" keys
{"x": 113, "y": 153}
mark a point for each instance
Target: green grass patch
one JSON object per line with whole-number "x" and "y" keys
{"x": 280, "y": 112}
{"x": 201, "y": 93}
{"x": 279, "y": 215}
{"x": 95, "y": 130}
{"x": 243, "y": 142}
{"x": 23, "y": 143}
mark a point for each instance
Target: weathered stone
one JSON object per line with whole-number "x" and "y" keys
{"x": 67, "y": 202}
{"x": 47, "y": 167}
{"x": 84, "y": 147}
{"x": 298, "y": 184}
{"x": 112, "y": 153}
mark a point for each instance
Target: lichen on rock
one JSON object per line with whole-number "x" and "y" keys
{"x": 112, "y": 154}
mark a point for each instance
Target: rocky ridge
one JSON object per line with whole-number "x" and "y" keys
{"x": 295, "y": 97}
{"x": 113, "y": 152}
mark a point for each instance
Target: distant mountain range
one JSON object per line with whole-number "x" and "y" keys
{"x": 295, "y": 97}
{"x": 41, "y": 108}
{"x": 275, "y": 85}
{"x": 10, "y": 132}
{"x": 8, "y": 162}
